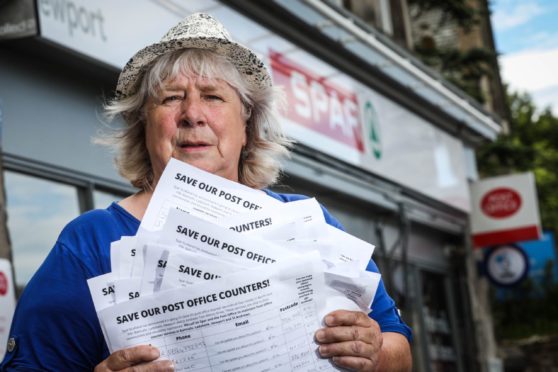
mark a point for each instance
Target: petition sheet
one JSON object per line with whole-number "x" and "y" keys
{"x": 189, "y": 233}
{"x": 184, "y": 268}
{"x": 126, "y": 257}
{"x": 169, "y": 267}
{"x": 260, "y": 319}
{"x": 201, "y": 194}
{"x": 299, "y": 212}
{"x": 335, "y": 246}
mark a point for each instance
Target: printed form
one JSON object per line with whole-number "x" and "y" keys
{"x": 201, "y": 194}
{"x": 241, "y": 281}
{"x": 262, "y": 319}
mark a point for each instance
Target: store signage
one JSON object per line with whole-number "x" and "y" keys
{"x": 504, "y": 210}
{"x": 104, "y": 30}
{"x": 501, "y": 202}
{"x": 17, "y": 19}
{"x": 335, "y": 114}
{"x": 326, "y": 108}
{"x": 542, "y": 256}
{"x": 318, "y": 104}
{"x": 75, "y": 17}
{"x": 372, "y": 130}
{"x": 506, "y": 265}
{"x": 7, "y": 303}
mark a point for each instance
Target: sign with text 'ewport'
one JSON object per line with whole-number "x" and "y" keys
{"x": 504, "y": 210}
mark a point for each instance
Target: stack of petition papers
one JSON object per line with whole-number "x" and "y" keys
{"x": 222, "y": 277}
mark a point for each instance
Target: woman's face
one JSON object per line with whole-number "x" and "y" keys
{"x": 198, "y": 121}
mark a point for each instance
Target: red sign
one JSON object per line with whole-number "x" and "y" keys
{"x": 505, "y": 210}
{"x": 3, "y": 284}
{"x": 501, "y": 202}
{"x": 496, "y": 237}
{"x": 317, "y": 104}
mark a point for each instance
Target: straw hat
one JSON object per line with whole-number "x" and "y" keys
{"x": 199, "y": 31}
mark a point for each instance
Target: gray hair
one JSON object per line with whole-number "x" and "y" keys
{"x": 266, "y": 145}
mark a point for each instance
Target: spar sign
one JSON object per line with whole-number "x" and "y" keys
{"x": 505, "y": 210}
{"x": 325, "y": 108}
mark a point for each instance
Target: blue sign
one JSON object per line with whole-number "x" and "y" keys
{"x": 541, "y": 256}
{"x": 540, "y": 253}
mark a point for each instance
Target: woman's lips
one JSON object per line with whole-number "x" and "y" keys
{"x": 194, "y": 147}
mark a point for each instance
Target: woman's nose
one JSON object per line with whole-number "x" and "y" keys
{"x": 192, "y": 112}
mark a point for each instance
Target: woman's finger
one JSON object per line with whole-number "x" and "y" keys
{"x": 354, "y": 363}
{"x": 339, "y": 334}
{"x": 125, "y": 358}
{"x": 347, "y": 348}
{"x": 347, "y": 318}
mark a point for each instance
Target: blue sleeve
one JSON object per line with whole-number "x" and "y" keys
{"x": 384, "y": 310}
{"x": 55, "y": 326}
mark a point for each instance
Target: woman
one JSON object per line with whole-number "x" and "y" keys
{"x": 203, "y": 99}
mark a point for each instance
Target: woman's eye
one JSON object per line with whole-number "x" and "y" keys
{"x": 170, "y": 99}
{"x": 212, "y": 97}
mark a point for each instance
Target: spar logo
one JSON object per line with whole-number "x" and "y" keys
{"x": 3, "y": 284}
{"x": 333, "y": 111}
{"x": 501, "y": 202}
{"x": 372, "y": 130}
{"x": 317, "y": 104}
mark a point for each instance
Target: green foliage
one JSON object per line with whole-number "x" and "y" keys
{"x": 527, "y": 310}
{"x": 452, "y": 10}
{"x": 466, "y": 68}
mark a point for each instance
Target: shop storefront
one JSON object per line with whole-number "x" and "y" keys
{"x": 383, "y": 143}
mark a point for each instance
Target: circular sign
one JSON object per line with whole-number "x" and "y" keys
{"x": 506, "y": 265}
{"x": 3, "y": 284}
{"x": 501, "y": 202}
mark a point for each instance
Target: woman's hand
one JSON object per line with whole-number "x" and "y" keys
{"x": 351, "y": 339}
{"x": 137, "y": 358}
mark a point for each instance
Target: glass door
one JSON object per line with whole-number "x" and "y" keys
{"x": 439, "y": 334}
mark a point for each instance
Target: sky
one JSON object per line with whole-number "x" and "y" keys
{"x": 526, "y": 34}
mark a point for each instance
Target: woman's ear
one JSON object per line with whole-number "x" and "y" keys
{"x": 247, "y": 127}
{"x": 246, "y": 135}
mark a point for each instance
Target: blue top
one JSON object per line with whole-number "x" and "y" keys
{"x": 55, "y": 326}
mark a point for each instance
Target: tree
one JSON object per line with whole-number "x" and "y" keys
{"x": 464, "y": 68}
{"x": 452, "y": 10}
{"x": 530, "y": 145}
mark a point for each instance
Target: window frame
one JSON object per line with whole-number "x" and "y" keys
{"x": 84, "y": 184}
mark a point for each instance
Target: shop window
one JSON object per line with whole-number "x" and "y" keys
{"x": 441, "y": 350}
{"x": 37, "y": 211}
